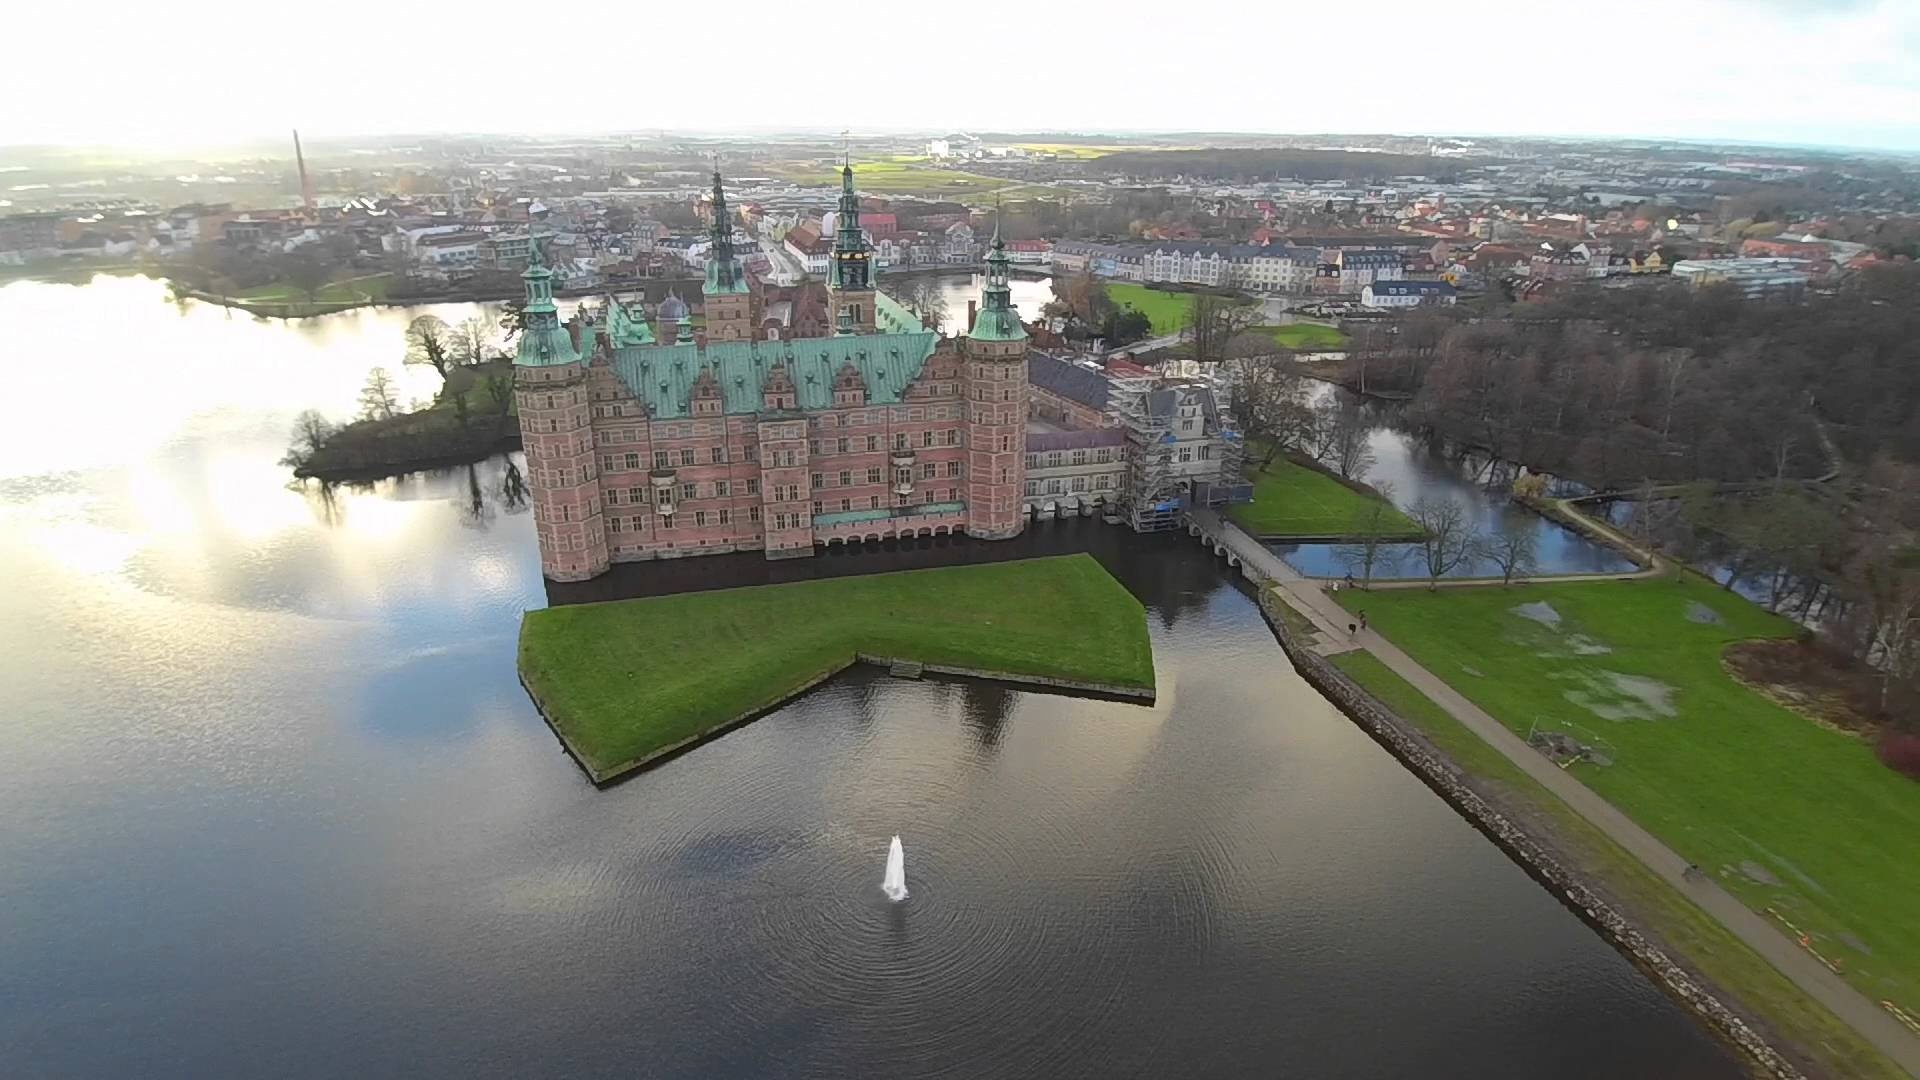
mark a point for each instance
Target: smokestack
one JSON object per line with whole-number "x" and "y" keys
{"x": 973, "y": 312}
{"x": 306, "y": 188}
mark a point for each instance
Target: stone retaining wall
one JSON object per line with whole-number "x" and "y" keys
{"x": 1405, "y": 743}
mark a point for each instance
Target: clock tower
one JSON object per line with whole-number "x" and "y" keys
{"x": 850, "y": 274}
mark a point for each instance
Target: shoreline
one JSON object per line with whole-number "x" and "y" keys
{"x": 602, "y": 778}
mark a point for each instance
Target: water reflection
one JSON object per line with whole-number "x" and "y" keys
{"x": 1419, "y": 468}
{"x": 277, "y": 805}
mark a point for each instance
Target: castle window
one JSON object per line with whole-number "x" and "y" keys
{"x": 633, "y": 461}
{"x": 699, "y": 519}
{"x": 846, "y": 478}
{"x": 953, "y": 436}
{"x": 726, "y": 517}
{"x": 719, "y": 455}
{"x": 686, "y": 457}
{"x": 873, "y": 475}
{"x": 927, "y": 471}
{"x": 841, "y": 445}
{"x": 846, "y": 504}
{"x": 722, "y": 489}
{"x": 819, "y": 480}
{"x": 1033, "y": 461}
{"x": 606, "y": 463}
{"x": 638, "y": 495}
{"x": 753, "y": 513}
{"x": 873, "y": 443}
{"x": 689, "y": 491}
{"x": 659, "y": 459}
{"x": 926, "y": 438}
{"x": 1033, "y": 487}
{"x": 899, "y": 440}
{"x": 666, "y": 521}
{"x": 953, "y": 468}
{"x": 753, "y": 487}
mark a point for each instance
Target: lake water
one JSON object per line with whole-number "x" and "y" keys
{"x": 276, "y": 805}
{"x": 1415, "y": 469}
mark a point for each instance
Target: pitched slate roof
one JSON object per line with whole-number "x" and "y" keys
{"x": 1089, "y": 388}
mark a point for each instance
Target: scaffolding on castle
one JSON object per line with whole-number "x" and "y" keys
{"x": 1156, "y": 496}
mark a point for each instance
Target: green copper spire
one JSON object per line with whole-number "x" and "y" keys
{"x": 724, "y": 272}
{"x": 543, "y": 340}
{"x": 997, "y": 321}
{"x": 852, "y": 265}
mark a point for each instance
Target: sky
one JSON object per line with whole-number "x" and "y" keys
{"x": 200, "y": 72}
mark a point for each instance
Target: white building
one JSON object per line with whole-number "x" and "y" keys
{"x": 1406, "y": 294}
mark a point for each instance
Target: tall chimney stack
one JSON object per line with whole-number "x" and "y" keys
{"x": 306, "y": 187}
{"x": 973, "y": 312}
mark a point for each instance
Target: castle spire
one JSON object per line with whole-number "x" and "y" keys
{"x": 542, "y": 339}
{"x": 851, "y": 268}
{"x": 997, "y": 320}
{"x": 723, "y": 274}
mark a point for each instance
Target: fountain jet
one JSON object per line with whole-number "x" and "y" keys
{"x": 895, "y": 883}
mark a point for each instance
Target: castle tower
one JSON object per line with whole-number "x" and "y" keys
{"x": 995, "y": 352}
{"x": 850, "y": 271}
{"x": 729, "y": 297}
{"x": 550, "y": 391}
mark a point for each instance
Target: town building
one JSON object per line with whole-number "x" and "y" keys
{"x": 1405, "y": 294}
{"x": 1752, "y": 276}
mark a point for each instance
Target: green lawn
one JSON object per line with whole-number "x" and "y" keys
{"x": 900, "y": 178}
{"x": 1311, "y": 337}
{"x": 1290, "y": 499}
{"x": 1693, "y": 933}
{"x": 346, "y": 291}
{"x": 622, "y": 681}
{"x": 1167, "y": 311}
{"x": 1825, "y": 834}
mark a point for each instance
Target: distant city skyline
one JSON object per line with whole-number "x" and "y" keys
{"x": 1844, "y": 73}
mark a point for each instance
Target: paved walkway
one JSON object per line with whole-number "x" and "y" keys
{"x": 1873, "y": 1023}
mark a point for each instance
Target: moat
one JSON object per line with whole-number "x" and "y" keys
{"x": 277, "y": 804}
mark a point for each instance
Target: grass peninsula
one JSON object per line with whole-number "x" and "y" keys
{"x": 627, "y": 681}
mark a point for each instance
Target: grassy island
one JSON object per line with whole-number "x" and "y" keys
{"x": 628, "y": 681}
{"x": 1292, "y": 500}
{"x": 1798, "y": 820}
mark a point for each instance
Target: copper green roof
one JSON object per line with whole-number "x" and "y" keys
{"x": 890, "y": 316}
{"x": 543, "y": 341}
{"x": 625, "y": 327}
{"x": 663, "y": 375}
{"x": 724, "y": 277}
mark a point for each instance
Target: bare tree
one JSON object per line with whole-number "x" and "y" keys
{"x": 310, "y": 431}
{"x": 1515, "y": 551}
{"x": 925, "y": 296}
{"x": 1444, "y": 541}
{"x": 379, "y": 398}
{"x": 1365, "y": 547}
{"x": 1344, "y": 443}
{"x": 1214, "y": 321}
{"x": 429, "y": 341}
{"x": 474, "y": 341}
{"x": 307, "y": 272}
{"x": 1270, "y": 405}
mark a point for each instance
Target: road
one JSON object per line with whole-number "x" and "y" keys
{"x": 1865, "y": 1016}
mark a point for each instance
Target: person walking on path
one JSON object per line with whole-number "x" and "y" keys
{"x": 1351, "y": 629}
{"x": 1363, "y": 621}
